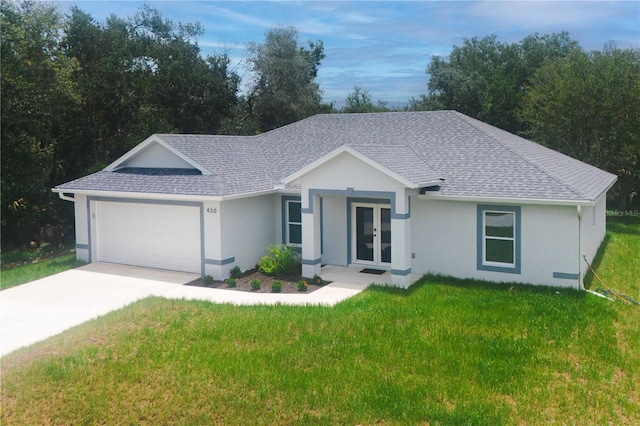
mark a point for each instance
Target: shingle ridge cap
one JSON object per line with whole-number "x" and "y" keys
{"x": 507, "y": 147}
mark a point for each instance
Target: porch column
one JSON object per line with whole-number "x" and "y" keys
{"x": 311, "y": 255}
{"x": 401, "y": 243}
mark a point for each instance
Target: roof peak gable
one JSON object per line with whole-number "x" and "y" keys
{"x": 377, "y": 161}
{"x": 154, "y": 152}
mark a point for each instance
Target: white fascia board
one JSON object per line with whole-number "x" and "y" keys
{"x": 140, "y": 195}
{"x": 345, "y": 149}
{"x": 144, "y": 144}
{"x": 248, "y": 194}
{"x": 176, "y": 197}
{"x": 496, "y": 200}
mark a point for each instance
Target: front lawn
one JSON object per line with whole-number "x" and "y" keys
{"x": 445, "y": 352}
{"x": 24, "y": 273}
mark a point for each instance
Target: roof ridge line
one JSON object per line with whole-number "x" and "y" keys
{"x": 495, "y": 139}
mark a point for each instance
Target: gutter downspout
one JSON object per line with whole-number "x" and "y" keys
{"x": 66, "y": 197}
{"x": 579, "y": 212}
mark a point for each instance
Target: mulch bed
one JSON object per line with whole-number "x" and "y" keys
{"x": 289, "y": 283}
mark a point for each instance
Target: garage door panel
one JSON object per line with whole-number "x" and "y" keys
{"x": 152, "y": 235}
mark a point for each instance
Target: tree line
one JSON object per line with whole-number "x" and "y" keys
{"x": 77, "y": 94}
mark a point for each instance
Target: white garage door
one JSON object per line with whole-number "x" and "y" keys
{"x": 152, "y": 235}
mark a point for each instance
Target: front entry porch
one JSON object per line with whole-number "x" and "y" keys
{"x": 366, "y": 219}
{"x": 352, "y": 275}
{"x": 357, "y": 229}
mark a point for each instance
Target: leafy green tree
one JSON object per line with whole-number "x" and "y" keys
{"x": 284, "y": 89}
{"x": 76, "y": 94}
{"x": 360, "y": 101}
{"x": 140, "y": 76}
{"x": 587, "y": 105}
{"x": 37, "y": 89}
{"x": 485, "y": 78}
{"x": 194, "y": 94}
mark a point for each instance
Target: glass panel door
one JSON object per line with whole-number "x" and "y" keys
{"x": 364, "y": 234}
{"x": 385, "y": 235}
{"x": 371, "y": 234}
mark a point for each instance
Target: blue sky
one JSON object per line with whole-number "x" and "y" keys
{"x": 385, "y": 46}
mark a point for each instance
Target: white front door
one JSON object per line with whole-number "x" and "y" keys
{"x": 371, "y": 234}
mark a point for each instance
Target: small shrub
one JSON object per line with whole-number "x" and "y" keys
{"x": 231, "y": 282}
{"x": 316, "y": 279}
{"x": 235, "y": 272}
{"x": 256, "y": 284}
{"x": 207, "y": 280}
{"x": 280, "y": 260}
{"x": 268, "y": 265}
{"x": 276, "y": 287}
{"x": 302, "y": 285}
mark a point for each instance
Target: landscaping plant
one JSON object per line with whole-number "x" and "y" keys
{"x": 235, "y": 272}
{"x": 280, "y": 260}
{"x": 256, "y": 284}
{"x": 302, "y": 285}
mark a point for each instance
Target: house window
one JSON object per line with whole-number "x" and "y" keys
{"x": 293, "y": 222}
{"x": 499, "y": 238}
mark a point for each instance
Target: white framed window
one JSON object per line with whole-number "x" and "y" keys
{"x": 293, "y": 220}
{"x": 499, "y": 238}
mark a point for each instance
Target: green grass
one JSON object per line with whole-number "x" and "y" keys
{"x": 445, "y": 352}
{"x": 618, "y": 260}
{"x": 21, "y": 274}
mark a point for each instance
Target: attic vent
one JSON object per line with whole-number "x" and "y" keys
{"x": 150, "y": 171}
{"x": 430, "y": 189}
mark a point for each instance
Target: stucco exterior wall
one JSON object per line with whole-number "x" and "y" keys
{"x": 334, "y": 230}
{"x": 211, "y": 239}
{"x": 444, "y": 240}
{"x": 247, "y": 227}
{"x": 346, "y": 171}
{"x": 593, "y": 230}
{"x": 156, "y": 156}
{"x": 82, "y": 228}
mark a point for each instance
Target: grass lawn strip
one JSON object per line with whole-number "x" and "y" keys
{"x": 444, "y": 352}
{"x": 21, "y": 274}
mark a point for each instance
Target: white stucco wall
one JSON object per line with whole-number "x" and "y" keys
{"x": 444, "y": 240}
{"x": 155, "y": 156}
{"x": 212, "y": 241}
{"x": 346, "y": 171}
{"x": 334, "y": 230}
{"x": 81, "y": 227}
{"x": 247, "y": 227}
{"x": 593, "y": 229}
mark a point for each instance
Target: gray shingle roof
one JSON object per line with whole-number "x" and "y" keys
{"x": 474, "y": 158}
{"x": 401, "y": 159}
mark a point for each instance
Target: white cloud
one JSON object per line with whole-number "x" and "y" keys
{"x": 538, "y": 15}
{"x": 244, "y": 18}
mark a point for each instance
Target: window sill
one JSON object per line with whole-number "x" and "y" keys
{"x": 508, "y": 269}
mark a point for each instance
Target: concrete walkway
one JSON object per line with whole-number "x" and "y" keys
{"x": 35, "y": 311}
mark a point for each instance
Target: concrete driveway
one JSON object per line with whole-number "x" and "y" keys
{"x": 35, "y": 311}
